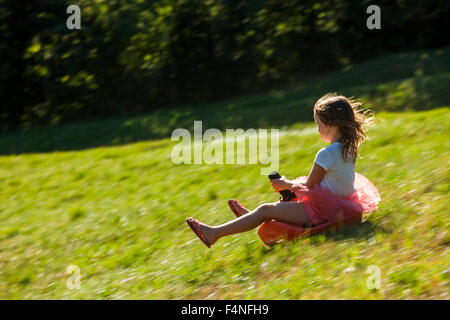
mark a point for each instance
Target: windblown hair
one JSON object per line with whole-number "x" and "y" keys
{"x": 345, "y": 113}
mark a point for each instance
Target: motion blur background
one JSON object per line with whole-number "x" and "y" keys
{"x": 136, "y": 56}
{"x": 88, "y": 185}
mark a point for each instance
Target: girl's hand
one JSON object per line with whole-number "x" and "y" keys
{"x": 298, "y": 187}
{"x": 281, "y": 184}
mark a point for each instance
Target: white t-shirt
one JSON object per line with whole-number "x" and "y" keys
{"x": 340, "y": 174}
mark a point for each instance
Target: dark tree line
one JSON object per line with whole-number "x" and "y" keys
{"x": 135, "y": 56}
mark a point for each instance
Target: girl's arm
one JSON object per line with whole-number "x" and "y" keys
{"x": 315, "y": 176}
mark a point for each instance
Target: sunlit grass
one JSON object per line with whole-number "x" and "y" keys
{"x": 118, "y": 213}
{"x": 112, "y": 202}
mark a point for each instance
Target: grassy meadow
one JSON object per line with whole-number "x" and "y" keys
{"x": 106, "y": 197}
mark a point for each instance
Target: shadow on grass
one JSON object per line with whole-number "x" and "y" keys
{"x": 261, "y": 113}
{"x": 358, "y": 231}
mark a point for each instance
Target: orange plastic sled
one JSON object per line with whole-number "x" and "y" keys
{"x": 272, "y": 232}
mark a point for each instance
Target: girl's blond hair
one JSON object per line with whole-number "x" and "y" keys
{"x": 345, "y": 113}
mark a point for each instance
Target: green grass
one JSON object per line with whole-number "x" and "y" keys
{"x": 411, "y": 81}
{"x": 116, "y": 208}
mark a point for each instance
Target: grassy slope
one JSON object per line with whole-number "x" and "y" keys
{"x": 118, "y": 212}
{"x": 410, "y": 81}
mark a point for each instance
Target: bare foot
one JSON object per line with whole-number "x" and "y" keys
{"x": 241, "y": 210}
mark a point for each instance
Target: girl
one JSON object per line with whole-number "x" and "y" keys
{"x": 332, "y": 187}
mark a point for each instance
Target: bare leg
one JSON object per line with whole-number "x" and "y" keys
{"x": 291, "y": 212}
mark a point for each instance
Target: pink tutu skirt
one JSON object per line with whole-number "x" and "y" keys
{"x": 322, "y": 205}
